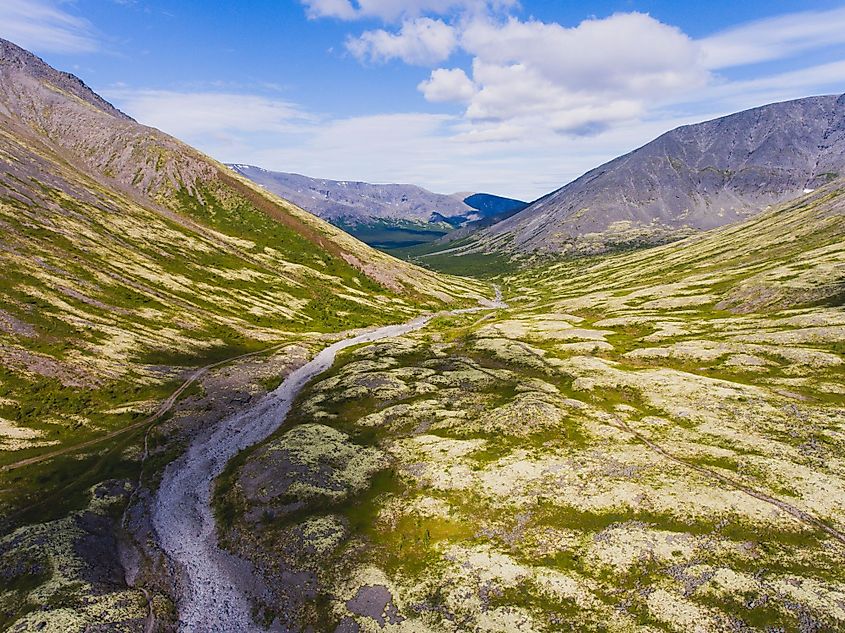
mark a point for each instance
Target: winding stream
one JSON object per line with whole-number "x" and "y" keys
{"x": 214, "y": 585}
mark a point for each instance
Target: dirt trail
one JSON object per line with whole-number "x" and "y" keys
{"x": 163, "y": 408}
{"x": 797, "y": 513}
{"x": 216, "y": 586}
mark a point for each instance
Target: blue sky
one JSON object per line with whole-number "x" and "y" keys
{"x": 516, "y": 98}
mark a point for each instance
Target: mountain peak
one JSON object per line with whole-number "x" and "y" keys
{"x": 16, "y": 60}
{"x": 692, "y": 178}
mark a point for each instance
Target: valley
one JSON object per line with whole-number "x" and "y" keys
{"x": 219, "y": 411}
{"x": 623, "y": 448}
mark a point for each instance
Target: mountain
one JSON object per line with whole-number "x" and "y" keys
{"x": 128, "y": 255}
{"x": 490, "y": 205}
{"x": 386, "y": 216}
{"x": 693, "y": 178}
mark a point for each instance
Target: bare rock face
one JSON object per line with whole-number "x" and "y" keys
{"x": 696, "y": 177}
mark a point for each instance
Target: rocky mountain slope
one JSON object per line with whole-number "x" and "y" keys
{"x": 694, "y": 178}
{"x": 386, "y": 216}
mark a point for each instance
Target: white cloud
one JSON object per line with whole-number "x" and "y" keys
{"x": 422, "y": 41}
{"x": 41, "y": 26}
{"x": 623, "y": 53}
{"x": 190, "y": 115}
{"x": 394, "y": 10}
{"x": 774, "y": 38}
{"x": 531, "y": 76}
{"x": 447, "y": 84}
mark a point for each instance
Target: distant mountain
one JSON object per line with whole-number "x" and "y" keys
{"x": 386, "y": 216}
{"x": 489, "y": 205}
{"x": 693, "y": 178}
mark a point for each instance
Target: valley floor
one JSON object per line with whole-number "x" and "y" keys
{"x": 650, "y": 441}
{"x": 538, "y": 470}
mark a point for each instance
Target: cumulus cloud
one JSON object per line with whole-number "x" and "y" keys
{"x": 43, "y": 26}
{"x": 421, "y": 41}
{"x": 532, "y": 76}
{"x": 626, "y": 53}
{"x": 447, "y": 84}
{"x": 342, "y": 9}
{"x": 529, "y": 73}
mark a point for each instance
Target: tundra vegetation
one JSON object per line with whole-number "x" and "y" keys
{"x": 648, "y": 441}
{"x": 132, "y": 264}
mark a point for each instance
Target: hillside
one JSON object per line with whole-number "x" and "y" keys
{"x": 129, "y": 256}
{"x": 386, "y": 216}
{"x": 696, "y": 177}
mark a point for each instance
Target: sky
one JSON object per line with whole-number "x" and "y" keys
{"x": 509, "y": 97}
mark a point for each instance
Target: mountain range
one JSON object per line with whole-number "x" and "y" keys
{"x": 382, "y": 215}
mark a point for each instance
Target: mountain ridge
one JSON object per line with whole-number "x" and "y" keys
{"x": 692, "y": 178}
{"x": 384, "y": 215}
{"x": 12, "y": 55}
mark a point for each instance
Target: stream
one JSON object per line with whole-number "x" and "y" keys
{"x": 215, "y": 586}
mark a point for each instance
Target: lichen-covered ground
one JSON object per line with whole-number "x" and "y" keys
{"x": 652, "y": 441}
{"x": 71, "y": 556}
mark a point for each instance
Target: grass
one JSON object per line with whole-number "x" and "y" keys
{"x": 480, "y": 265}
{"x": 51, "y": 490}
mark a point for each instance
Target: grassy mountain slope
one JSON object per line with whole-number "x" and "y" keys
{"x": 128, "y": 254}
{"x": 649, "y": 441}
{"x": 131, "y": 264}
